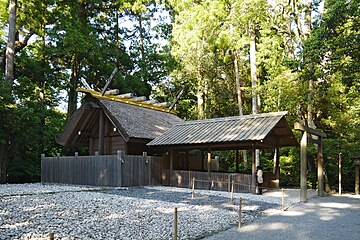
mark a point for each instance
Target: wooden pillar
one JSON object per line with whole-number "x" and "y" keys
{"x": 357, "y": 166}
{"x": 303, "y": 168}
{"x": 209, "y": 166}
{"x": 237, "y": 160}
{"x": 101, "y": 132}
{"x": 257, "y": 158}
{"x": 120, "y": 161}
{"x": 276, "y": 163}
{"x": 253, "y": 172}
{"x": 320, "y": 171}
{"x": 171, "y": 166}
{"x": 340, "y": 188}
{"x": 276, "y": 169}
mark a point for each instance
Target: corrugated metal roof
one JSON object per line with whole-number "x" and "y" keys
{"x": 220, "y": 130}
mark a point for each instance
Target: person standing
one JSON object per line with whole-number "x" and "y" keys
{"x": 260, "y": 179}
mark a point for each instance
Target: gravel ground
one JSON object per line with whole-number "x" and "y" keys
{"x": 32, "y": 211}
{"x": 331, "y": 218}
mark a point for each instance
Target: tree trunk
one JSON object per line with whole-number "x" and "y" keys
{"x": 254, "y": 80}
{"x": 141, "y": 37}
{"x": 4, "y": 149}
{"x": 238, "y": 82}
{"x": 200, "y": 97}
{"x": 238, "y": 92}
{"x": 72, "y": 103}
{"x": 254, "y": 84}
{"x": 200, "y": 84}
{"x": 10, "y": 49}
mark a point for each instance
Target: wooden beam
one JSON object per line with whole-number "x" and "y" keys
{"x": 101, "y": 132}
{"x": 237, "y": 160}
{"x": 171, "y": 166}
{"x": 299, "y": 126}
{"x": 253, "y": 172}
{"x": 276, "y": 170}
{"x": 320, "y": 170}
{"x": 303, "y": 165}
{"x": 313, "y": 139}
{"x": 357, "y": 179}
{"x": 209, "y": 166}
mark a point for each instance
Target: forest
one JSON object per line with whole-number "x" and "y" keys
{"x": 229, "y": 57}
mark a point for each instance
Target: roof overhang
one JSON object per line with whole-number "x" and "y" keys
{"x": 260, "y": 131}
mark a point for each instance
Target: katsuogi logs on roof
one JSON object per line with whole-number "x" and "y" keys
{"x": 112, "y": 92}
{"x": 138, "y": 99}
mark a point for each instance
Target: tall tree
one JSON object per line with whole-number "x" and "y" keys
{"x": 10, "y": 49}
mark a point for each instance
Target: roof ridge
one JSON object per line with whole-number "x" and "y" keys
{"x": 98, "y": 95}
{"x": 234, "y": 118}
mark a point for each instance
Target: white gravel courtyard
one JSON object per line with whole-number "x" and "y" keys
{"x": 32, "y": 211}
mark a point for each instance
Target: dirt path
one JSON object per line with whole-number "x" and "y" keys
{"x": 334, "y": 217}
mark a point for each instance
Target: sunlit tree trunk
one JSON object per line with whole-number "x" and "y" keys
{"x": 9, "y": 76}
{"x": 238, "y": 82}
{"x": 200, "y": 83}
{"x": 141, "y": 36}
{"x": 10, "y": 49}
{"x": 238, "y": 92}
{"x": 254, "y": 84}
{"x": 254, "y": 80}
{"x": 72, "y": 94}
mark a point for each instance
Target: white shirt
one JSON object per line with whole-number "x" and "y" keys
{"x": 260, "y": 176}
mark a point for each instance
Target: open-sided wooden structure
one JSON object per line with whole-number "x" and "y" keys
{"x": 259, "y": 131}
{"x": 106, "y": 124}
{"x": 314, "y": 136}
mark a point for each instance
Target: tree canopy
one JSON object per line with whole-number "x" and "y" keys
{"x": 226, "y": 55}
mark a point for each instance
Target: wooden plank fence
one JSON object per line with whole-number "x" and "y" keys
{"x": 102, "y": 170}
{"x": 219, "y": 181}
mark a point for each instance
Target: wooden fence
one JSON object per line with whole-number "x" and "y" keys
{"x": 102, "y": 170}
{"x": 219, "y": 181}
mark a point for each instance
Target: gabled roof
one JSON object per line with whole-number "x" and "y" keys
{"x": 138, "y": 122}
{"x": 263, "y": 130}
{"x": 132, "y": 120}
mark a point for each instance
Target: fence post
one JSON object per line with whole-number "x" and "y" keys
{"x": 240, "y": 210}
{"x": 148, "y": 162}
{"x": 282, "y": 200}
{"x": 119, "y": 160}
{"x": 193, "y": 188}
{"x": 232, "y": 192}
{"x": 51, "y": 237}
{"x": 142, "y": 180}
{"x": 340, "y": 156}
{"x": 228, "y": 183}
{"x": 42, "y": 167}
{"x": 175, "y": 223}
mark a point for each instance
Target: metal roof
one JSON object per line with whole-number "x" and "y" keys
{"x": 267, "y": 129}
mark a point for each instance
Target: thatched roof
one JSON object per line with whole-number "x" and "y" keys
{"x": 138, "y": 122}
{"x": 132, "y": 120}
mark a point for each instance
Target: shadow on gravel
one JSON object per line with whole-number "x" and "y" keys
{"x": 332, "y": 217}
{"x": 219, "y": 202}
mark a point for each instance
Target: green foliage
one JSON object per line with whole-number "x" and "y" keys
{"x": 162, "y": 47}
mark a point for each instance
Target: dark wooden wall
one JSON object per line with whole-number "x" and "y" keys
{"x": 106, "y": 170}
{"x": 219, "y": 181}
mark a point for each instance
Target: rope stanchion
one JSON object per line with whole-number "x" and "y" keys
{"x": 232, "y": 192}
{"x": 282, "y": 200}
{"x": 175, "y": 223}
{"x": 240, "y": 210}
{"x": 193, "y": 188}
{"x": 52, "y": 236}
